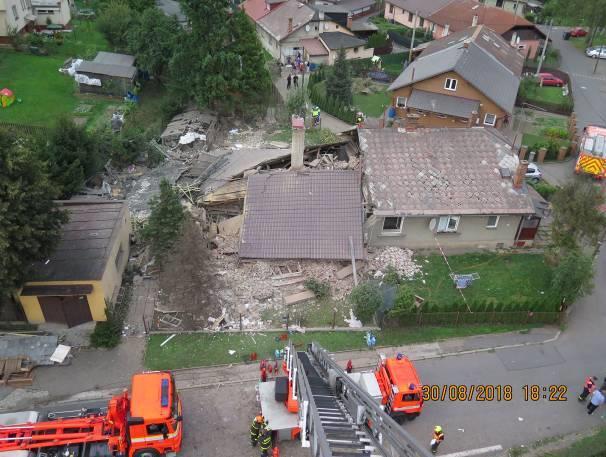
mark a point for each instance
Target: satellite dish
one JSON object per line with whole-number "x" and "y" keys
{"x": 432, "y": 224}
{"x": 307, "y": 28}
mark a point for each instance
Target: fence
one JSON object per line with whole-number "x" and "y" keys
{"x": 24, "y": 128}
{"x": 453, "y": 319}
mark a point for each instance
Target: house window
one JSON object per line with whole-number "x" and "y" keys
{"x": 23, "y": 7}
{"x": 492, "y": 222}
{"x": 421, "y": 22}
{"x": 392, "y": 225}
{"x": 391, "y": 8}
{"x": 119, "y": 256}
{"x": 499, "y": 4}
{"x": 448, "y": 224}
{"x": 401, "y": 102}
{"x": 410, "y": 16}
{"x": 15, "y": 13}
{"x": 450, "y": 84}
{"x": 490, "y": 119}
{"x": 316, "y": 27}
{"x": 356, "y": 49}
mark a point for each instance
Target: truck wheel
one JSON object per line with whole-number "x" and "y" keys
{"x": 150, "y": 452}
{"x": 412, "y": 417}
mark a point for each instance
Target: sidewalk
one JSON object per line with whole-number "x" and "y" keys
{"x": 364, "y": 359}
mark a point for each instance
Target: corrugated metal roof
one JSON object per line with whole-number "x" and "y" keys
{"x": 113, "y": 58}
{"x": 118, "y": 71}
{"x": 86, "y": 242}
{"x": 442, "y": 103}
{"x": 303, "y": 215}
{"x": 440, "y": 172}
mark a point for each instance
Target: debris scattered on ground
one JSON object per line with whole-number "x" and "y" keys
{"x": 398, "y": 258}
{"x": 167, "y": 339}
{"x": 353, "y": 321}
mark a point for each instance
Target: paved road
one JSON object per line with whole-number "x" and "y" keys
{"x": 588, "y": 89}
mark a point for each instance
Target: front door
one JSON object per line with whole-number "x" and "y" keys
{"x": 71, "y": 309}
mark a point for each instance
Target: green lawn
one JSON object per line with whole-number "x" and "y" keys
{"x": 549, "y": 95}
{"x": 503, "y": 278}
{"x": 203, "y": 349}
{"x": 590, "y": 446}
{"x": 581, "y": 43}
{"x": 372, "y": 105}
{"x": 45, "y": 93}
{"x": 385, "y": 26}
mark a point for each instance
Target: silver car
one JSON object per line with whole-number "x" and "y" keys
{"x": 596, "y": 52}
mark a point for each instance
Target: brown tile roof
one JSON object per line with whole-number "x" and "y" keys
{"x": 255, "y": 9}
{"x": 314, "y": 47}
{"x": 276, "y": 22}
{"x": 439, "y": 172}
{"x": 303, "y": 215}
{"x": 459, "y": 14}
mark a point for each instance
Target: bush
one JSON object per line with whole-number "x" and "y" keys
{"x": 377, "y": 40}
{"x": 392, "y": 276}
{"x": 555, "y": 132}
{"x": 296, "y": 103}
{"x": 404, "y": 303}
{"x": 35, "y": 40}
{"x": 367, "y": 299}
{"x": 320, "y": 288}
{"x": 551, "y": 145}
{"x": 107, "y": 334}
{"x": 544, "y": 189}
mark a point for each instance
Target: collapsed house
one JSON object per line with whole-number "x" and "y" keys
{"x": 190, "y": 128}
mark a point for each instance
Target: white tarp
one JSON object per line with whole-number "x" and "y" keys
{"x": 72, "y": 68}
{"x": 190, "y": 137}
{"x": 83, "y": 79}
{"x": 60, "y": 353}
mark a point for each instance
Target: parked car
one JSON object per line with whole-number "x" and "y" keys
{"x": 548, "y": 79}
{"x": 533, "y": 173}
{"x": 577, "y": 32}
{"x": 596, "y": 52}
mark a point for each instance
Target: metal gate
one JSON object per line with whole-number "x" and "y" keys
{"x": 71, "y": 309}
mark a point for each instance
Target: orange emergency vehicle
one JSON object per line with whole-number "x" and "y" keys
{"x": 592, "y": 152}
{"x": 400, "y": 386}
{"x": 148, "y": 423}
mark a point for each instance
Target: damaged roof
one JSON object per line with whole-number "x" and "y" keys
{"x": 477, "y": 54}
{"x": 276, "y": 22}
{"x": 442, "y": 103}
{"x": 440, "y": 171}
{"x": 303, "y": 215}
{"x": 86, "y": 242}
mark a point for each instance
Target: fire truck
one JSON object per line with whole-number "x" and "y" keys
{"x": 146, "y": 423}
{"x": 592, "y": 152}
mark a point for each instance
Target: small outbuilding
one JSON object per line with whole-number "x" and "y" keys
{"x": 109, "y": 74}
{"x": 84, "y": 273}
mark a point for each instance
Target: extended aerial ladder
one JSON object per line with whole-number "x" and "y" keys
{"x": 336, "y": 416}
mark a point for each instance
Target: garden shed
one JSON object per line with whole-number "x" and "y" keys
{"x": 109, "y": 73}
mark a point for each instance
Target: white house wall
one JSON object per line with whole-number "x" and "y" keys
{"x": 61, "y": 15}
{"x": 9, "y": 21}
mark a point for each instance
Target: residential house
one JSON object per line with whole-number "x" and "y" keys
{"x": 449, "y": 189}
{"x": 468, "y": 78}
{"x": 460, "y": 14}
{"x": 413, "y": 13}
{"x": 518, "y": 7}
{"x": 256, "y": 9}
{"x": 282, "y": 29}
{"x": 84, "y": 273}
{"x": 325, "y": 48}
{"x": 108, "y": 73}
{"x": 52, "y": 11}
{"x": 15, "y": 15}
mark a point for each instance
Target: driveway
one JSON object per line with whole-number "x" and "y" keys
{"x": 588, "y": 89}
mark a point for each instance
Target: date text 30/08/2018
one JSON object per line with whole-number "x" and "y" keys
{"x": 493, "y": 392}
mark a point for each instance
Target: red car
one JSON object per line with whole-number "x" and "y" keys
{"x": 578, "y": 32}
{"x": 547, "y": 79}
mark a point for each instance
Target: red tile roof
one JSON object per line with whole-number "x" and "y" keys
{"x": 314, "y": 47}
{"x": 255, "y": 9}
{"x": 459, "y": 14}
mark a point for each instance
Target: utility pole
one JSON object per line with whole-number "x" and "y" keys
{"x": 597, "y": 60}
{"x": 412, "y": 41}
{"x": 544, "y": 49}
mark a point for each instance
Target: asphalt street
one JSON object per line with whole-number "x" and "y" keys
{"x": 588, "y": 88}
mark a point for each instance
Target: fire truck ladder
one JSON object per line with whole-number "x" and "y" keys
{"x": 337, "y": 417}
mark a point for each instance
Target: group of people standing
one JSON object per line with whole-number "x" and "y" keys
{"x": 297, "y": 66}
{"x": 596, "y": 396}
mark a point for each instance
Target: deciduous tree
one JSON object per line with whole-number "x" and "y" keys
{"x": 573, "y": 276}
{"x": 338, "y": 82}
{"x": 115, "y": 21}
{"x": 31, "y": 222}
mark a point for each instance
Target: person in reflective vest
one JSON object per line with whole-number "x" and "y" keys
{"x": 590, "y": 384}
{"x": 255, "y": 429}
{"x": 265, "y": 440}
{"x": 438, "y": 437}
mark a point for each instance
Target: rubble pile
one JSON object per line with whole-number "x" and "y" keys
{"x": 398, "y": 258}
{"x": 326, "y": 272}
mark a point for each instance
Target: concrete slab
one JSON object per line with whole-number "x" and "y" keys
{"x": 38, "y": 348}
{"x": 344, "y": 272}
{"x": 298, "y": 298}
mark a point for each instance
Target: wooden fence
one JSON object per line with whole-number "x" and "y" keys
{"x": 453, "y": 319}
{"x": 24, "y": 128}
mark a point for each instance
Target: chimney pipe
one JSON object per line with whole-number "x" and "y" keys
{"x": 474, "y": 21}
{"x": 298, "y": 143}
{"x": 349, "y": 21}
{"x": 290, "y": 25}
{"x": 520, "y": 175}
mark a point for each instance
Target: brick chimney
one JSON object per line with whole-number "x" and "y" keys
{"x": 349, "y": 21}
{"x": 290, "y": 25}
{"x": 298, "y": 143}
{"x": 520, "y": 175}
{"x": 474, "y": 21}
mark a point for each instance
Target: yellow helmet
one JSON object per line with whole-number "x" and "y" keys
{"x": 437, "y": 429}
